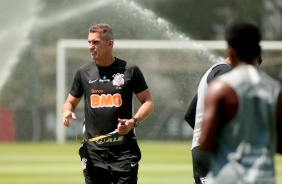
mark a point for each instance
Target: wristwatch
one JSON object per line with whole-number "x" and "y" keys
{"x": 136, "y": 122}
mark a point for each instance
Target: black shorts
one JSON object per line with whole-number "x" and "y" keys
{"x": 201, "y": 165}
{"x": 114, "y": 166}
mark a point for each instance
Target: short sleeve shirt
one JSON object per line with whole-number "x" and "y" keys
{"x": 108, "y": 93}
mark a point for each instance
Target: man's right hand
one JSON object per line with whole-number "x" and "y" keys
{"x": 66, "y": 116}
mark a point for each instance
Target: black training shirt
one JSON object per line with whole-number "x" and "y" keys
{"x": 108, "y": 93}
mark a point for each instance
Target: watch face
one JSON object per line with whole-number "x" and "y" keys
{"x": 136, "y": 123}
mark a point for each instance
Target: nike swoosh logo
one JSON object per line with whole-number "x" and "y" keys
{"x": 133, "y": 164}
{"x": 92, "y": 81}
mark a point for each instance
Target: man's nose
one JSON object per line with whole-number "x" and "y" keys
{"x": 91, "y": 46}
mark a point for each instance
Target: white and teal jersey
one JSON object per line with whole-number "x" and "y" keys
{"x": 200, "y": 100}
{"x": 246, "y": 145}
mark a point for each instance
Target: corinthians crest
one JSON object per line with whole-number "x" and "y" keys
{"x": 118, "y": 79}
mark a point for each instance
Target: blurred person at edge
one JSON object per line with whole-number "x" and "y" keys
{"x": 115, "y": 162}
{"x": 200, "y": 159}
{"x": 194, "y": 114}
{"x": 242, "y": 123}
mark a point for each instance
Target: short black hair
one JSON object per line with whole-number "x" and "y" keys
{"x": 244, "y": 37}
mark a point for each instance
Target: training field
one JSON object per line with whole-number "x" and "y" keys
{"x": 163, "y": 162}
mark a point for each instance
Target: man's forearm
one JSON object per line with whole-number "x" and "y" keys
{"x": 144, "y": 111}
{"x": 70, "y": 104}
{"x": 68, "y": 107}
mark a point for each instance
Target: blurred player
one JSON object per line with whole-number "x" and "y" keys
{"x": 243, "y": 115}
{"x": 194, "y": 114}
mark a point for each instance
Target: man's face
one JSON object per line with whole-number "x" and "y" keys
{"x": 99, "y": 47}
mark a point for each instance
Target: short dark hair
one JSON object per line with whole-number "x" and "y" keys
{"x": 104, "y": 29}
{"x": 244, "y": 37}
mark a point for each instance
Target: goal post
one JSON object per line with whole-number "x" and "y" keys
{"x": 65, "y": 44}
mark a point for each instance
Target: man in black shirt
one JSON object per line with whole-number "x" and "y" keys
{"x": 107, "y": 84}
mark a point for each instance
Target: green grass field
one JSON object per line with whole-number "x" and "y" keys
{"x": 48, "y": 163}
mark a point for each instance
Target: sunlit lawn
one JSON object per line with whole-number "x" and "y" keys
{"x": 163, "y": 162}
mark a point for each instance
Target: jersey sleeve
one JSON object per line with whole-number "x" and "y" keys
{"x": 191, "y": 112}
{"x": 217, "y": 71}
{"x": 77, "y": 87}
{"x": 139, "y": 83}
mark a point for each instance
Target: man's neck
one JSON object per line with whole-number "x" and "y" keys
{"x": 227, "y": 60}
{"x": 106, "y": 61}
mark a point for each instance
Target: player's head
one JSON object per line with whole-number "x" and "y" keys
{"x": 244, "y": 38}
{"x": 104, "y": 29}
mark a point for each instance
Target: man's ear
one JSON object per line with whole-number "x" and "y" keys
{"x": 111, "y": 43}
{"x": 232, "y": 54}
{"x": 231, "y": 51}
